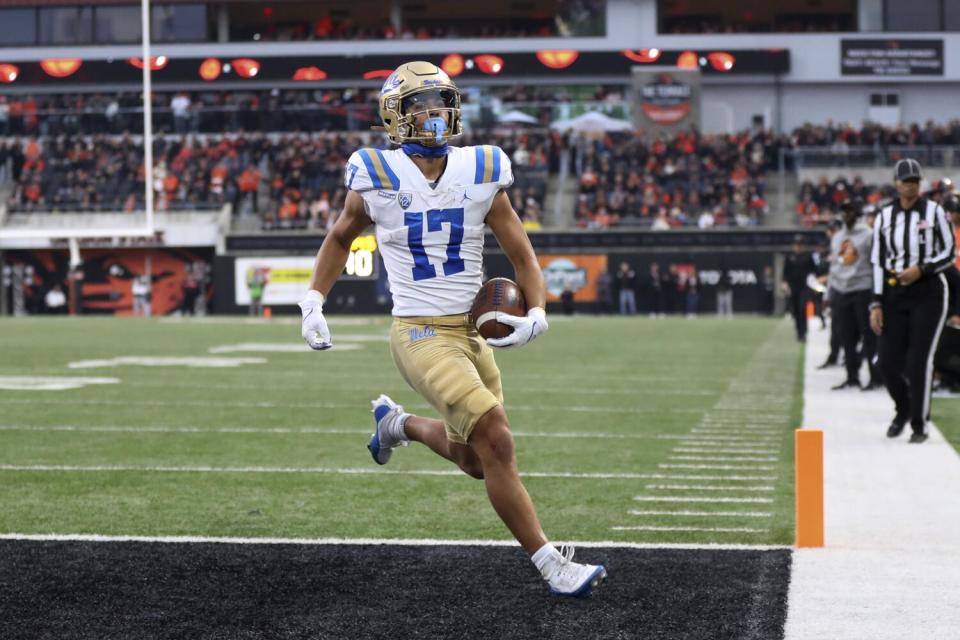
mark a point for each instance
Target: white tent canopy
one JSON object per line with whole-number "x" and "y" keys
{"x": 592, "y": 121}
{"x": 518, "y": 117}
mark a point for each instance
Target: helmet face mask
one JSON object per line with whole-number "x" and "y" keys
{"x": 413, "y": 96}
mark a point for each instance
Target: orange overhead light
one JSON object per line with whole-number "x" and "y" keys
{"x": 8, "y": 73}
{"x": 377, "y": 73}
{"x": 210, "y": 69}
{"x": 246, "y": 67}
{"x": 308, "y": 74}
{"x": 643, "y": 56}
{"x": 453, "y": 65}
{"x": 60, "y": 67}
{"x": 721, "y": 61}
{"x": 557, "y": 59}
{"x": 489, "y": 64}
{"x": 156, "y": 62}
{"x": 688, "y": 60}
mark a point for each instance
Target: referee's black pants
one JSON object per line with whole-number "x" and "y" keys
{"x": 851, "y": 314}
{"x": 913, "y": 317}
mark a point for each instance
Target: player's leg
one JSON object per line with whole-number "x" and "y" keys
{"x": 493, "y": 443}
{"x": 433, "y": 434}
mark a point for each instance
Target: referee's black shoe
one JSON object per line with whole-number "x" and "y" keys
{"x": 896, "y": 427}
{"x": 847, "y": 384}
{"x": 917, "y": 437}
{"x": 829, "y": 362}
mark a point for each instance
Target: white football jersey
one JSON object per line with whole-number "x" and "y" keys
{"x": 431, "y": 239}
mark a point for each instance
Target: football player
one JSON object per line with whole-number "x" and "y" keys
{"x": 429, "y": 203}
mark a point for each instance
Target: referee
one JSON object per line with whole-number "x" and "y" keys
{"x": 913, "y": 244}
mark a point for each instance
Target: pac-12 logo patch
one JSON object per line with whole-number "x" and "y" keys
{"x": 405, "y": 199}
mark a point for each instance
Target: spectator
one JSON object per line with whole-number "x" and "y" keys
{"x": 725, "y": 295}
{"x": 626, "y": 280}
{"x": 140, "y": 288}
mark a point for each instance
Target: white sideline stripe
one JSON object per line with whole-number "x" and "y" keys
{"x": 730, "y": 467}
{"x": 405, "y": 542}
{"x": 706, "y": 529}
{"x": 701, "y": 499}
{"x": 703, "y": 514}
{"x": 725, "y": 458}
{"x": 705, "y": 487}
{"x": 345, "y": 471}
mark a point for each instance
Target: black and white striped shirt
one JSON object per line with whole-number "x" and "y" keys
{"x": 921, "y": 236}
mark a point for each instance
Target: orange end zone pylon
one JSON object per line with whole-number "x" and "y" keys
{"x": 808, "y": 452}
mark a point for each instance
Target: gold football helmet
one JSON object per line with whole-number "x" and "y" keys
{"x": 417, "y": 88}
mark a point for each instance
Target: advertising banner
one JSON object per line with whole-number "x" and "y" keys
{"x": 666, "y": 99}
{"x": 576, "y": 272}
{"x": 891, "y": 57}
{"x": 284, "y": 280}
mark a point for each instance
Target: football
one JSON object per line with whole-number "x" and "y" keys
{"x": 497, "y": 296}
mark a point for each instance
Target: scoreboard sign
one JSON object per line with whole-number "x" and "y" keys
{"x": 891, "y": 57}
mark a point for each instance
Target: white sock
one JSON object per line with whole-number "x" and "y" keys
{"x": 542, "y": 557}
{"x": 396, "y": 429}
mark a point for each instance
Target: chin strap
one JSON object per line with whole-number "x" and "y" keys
{"x": 417, "y": 149}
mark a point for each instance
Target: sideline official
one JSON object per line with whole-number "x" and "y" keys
{"x": 851, "y": 280}
{"x": 913, "y": 243}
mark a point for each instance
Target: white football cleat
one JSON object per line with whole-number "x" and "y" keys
{"x": 568, "y": 578}
{"x": 386, "y": 413}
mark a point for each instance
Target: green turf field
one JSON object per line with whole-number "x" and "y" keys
{"x": 693, "y": 417}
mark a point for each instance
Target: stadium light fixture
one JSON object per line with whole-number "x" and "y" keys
{"x": 210, "y": 69}
{"x": 489, "y": 64}
{"x": 156, "y": 62}
{"x": 8, "y": 73}
{"x": 643, "y": 56}
{"x": 60, "y": 67}
{"x": 377, "y": 73}
{"x": 721, "y": 61}
{"x": 246, "y": 67}
{"x": 688, "y": 60}
{"x": 556, "y": 58}
{"x": 309, "y": 74}
{"x": 452, "y": 65}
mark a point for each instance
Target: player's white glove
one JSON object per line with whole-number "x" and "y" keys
{"x": 314, "y": 327}
{"x": 525, "y": 329}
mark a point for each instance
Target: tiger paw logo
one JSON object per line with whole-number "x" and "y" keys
{"x": 848, "y": 253}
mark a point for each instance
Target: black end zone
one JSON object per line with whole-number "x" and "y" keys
{"x": 358, "y": 592}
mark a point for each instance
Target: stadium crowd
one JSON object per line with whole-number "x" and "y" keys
{"x": 685, "y": 180}
{"x": 290, "y": 180}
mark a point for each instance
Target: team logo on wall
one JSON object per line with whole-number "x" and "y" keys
{"x": 666, "y": 100}
{"x": 405, "y": 199}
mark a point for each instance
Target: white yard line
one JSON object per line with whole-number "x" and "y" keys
{"x": 696, "y": 529}
{"x": 729, "y": 467}
{"x": 725, "y": 458}
{"x": 706, "y": 487}
{"x": 718, "y": 499}
{"x": 892, "y": 558}
{"x": 744, "y": 451}
{"x": 702, "y": 514}
{"x": 417, "y": 542}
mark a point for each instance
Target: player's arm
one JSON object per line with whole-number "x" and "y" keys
{"x": 509, "y": 231}
{"x": 328, "y": 266}
{"x": 333, "y": 253}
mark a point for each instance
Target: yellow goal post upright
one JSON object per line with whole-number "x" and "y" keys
{"x": 147, "y": 229}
